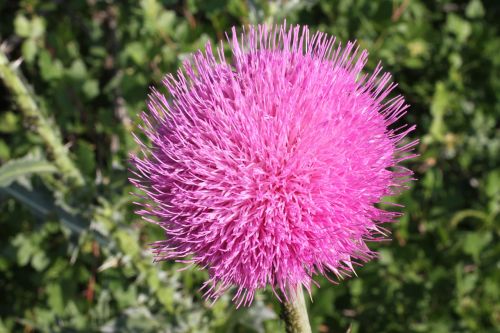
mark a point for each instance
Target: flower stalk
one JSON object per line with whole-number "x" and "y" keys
{"x": 294, "y": 313}
{"x": 25, "y": 100}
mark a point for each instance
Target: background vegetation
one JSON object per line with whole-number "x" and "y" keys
{"x": 73, "y": 254}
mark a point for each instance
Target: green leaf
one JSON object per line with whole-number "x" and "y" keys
{"x": 475, "y": 242}
{"x": 9, "y": 122}
{"x": 458, "y": 26}
{"x": 166, "y": 297}
{"x": 385, "y": 257}
{"x": 49, "y": 69}
{"x": 151, "y": 9}
{"x": 128, "y": 243}
{"x": 39, "y": 261}
{"x": 78, "y": 70}
{"x": 22, "y": 26}
{"x": 136, "y": 52}
{"x": 474, "y": 9}
{"x": 166, "y": 22}
{"x": 25, "y": 249}
{"x": 29, "y": 50}
{"x": 493, "y": 183}
{"x": 439, "y": 106}
{"x": 16, "y": 169}
{"x": 55, "y": 297}
{"x": 37, "y": 27}
{"x": 29, "y": 29}
{"x": 91, "y": 88}
{"x": 4, "y": 151}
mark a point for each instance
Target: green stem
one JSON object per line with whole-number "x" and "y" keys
{"x": 294, "y": 313}
{"x": 24, "y": 98}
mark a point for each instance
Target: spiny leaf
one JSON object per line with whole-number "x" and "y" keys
{"x": 43, "y": 206}
{"x": 27, "y": 165}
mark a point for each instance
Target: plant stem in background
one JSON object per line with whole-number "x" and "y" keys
{"x": 24, "y": 98}
{"x": 294, "y": 313}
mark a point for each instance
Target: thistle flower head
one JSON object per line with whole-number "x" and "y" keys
{"x": 266, "y": 168}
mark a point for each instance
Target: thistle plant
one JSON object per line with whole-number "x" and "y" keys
{"x": 266, "y": 166}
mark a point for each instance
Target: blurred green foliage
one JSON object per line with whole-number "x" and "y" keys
{"x": 75, "y": 259}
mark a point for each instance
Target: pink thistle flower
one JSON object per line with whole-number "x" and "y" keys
{"x": 267, "y": 168}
